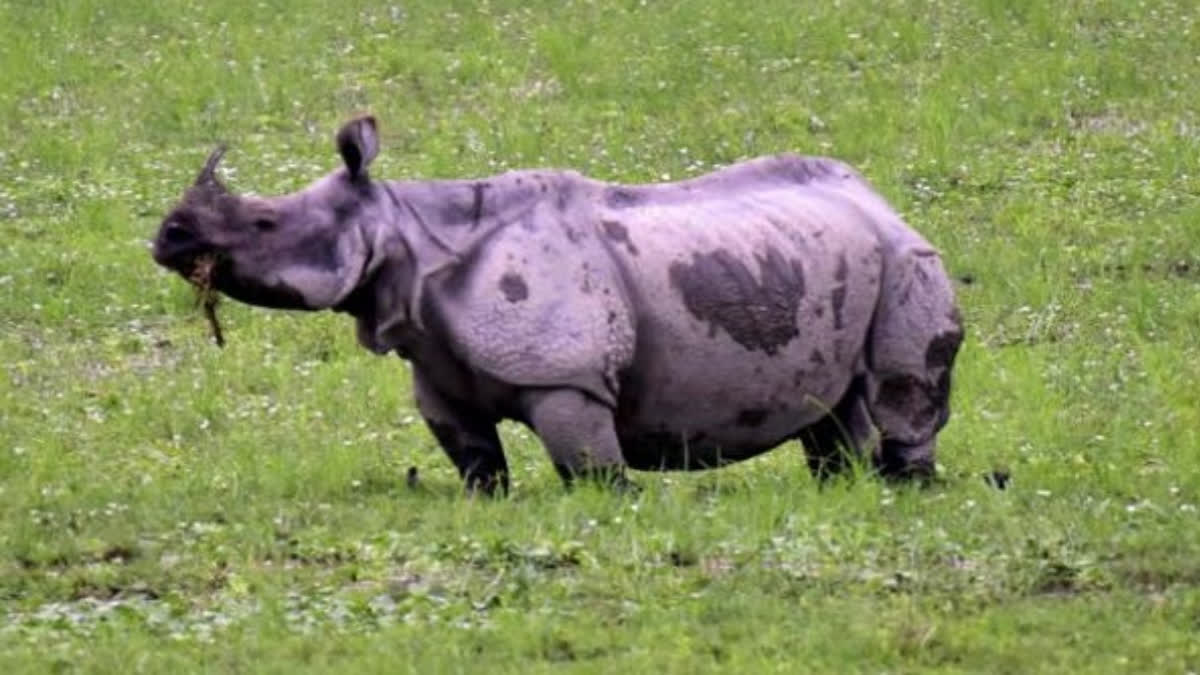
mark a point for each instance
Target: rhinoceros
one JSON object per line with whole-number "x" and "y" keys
{"x": 671, "y": 326}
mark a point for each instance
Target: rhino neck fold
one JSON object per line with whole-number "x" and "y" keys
{"x": 429, "y": 253}
{"x": 360, "y": 296}
{"x": 444, "y": 222}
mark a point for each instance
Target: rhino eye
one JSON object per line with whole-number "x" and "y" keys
{"x": 175, "y": 232}
{"x": 264, "y": 224}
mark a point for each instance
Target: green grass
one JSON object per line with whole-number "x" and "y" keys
{"x": 165, "y": 505}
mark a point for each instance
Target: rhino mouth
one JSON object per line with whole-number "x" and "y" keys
{"x": 202, "y": 271}
{"x": 178, "y": 249}
{"x": 211, "y": 271}
{"x": 199, "y": 265}
{"x": 219, "y": 274}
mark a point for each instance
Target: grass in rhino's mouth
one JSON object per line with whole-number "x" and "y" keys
{"x": 206, "y": 295}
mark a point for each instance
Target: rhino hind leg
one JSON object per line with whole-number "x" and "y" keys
{"x": 470, "y": 440}
{"x": 915, "y": 337}
{"x": 578, "y": 433}
{"x": 842, "y": 437}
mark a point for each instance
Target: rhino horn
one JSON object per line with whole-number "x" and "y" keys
{"x": 208, "y": 175}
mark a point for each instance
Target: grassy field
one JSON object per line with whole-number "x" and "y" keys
{"x": 165, "y": 505}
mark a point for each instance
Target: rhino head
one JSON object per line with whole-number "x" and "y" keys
{"x": 305, "y": 250}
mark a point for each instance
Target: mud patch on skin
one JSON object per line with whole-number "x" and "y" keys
{"x": 720, "y": 289}
{"x": 513, "y": 287}
{"x": 810, "y": 169}
{"x": 619, "y": 234}
{"x": 838, "y": 294}
{"x": 477, "y": 203}
{"x": 942, "y": 349}
{"x": 842, "y": 269}
{"x": 910, "y": 398}
{"x": 816, "y": 358}
{"x": 573, "y": 235}
{"x": 838, "y": 300}
{"x": 924, "y": 404}
{"x": 621, "y": 198}
{"x": 463, "y": 207}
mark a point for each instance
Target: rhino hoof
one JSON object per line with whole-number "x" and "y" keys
{"x": 998, "y": 478}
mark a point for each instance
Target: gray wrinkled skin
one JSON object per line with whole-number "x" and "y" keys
{"x": 673, "y": 326}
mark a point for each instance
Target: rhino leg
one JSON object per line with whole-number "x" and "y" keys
{"x": 839, "y": 438}
{"x": 468, "y": 438}
{"x": 915, "y": 338}
{"x": 578, "y": 433}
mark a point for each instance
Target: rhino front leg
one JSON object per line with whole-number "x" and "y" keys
{"x": 578, "y": 433}
{"x": 845, "y": 434}
{"x": 468, "y": 438}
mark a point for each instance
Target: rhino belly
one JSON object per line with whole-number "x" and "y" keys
{"x": 706, "y": 404}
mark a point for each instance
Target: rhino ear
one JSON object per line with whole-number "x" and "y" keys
{"x": 358, "y": 143}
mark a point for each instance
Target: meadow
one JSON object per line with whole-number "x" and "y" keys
{"x": 166, "y": 505}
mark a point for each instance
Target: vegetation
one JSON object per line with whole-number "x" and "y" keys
{"x": 165, "y": 505}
